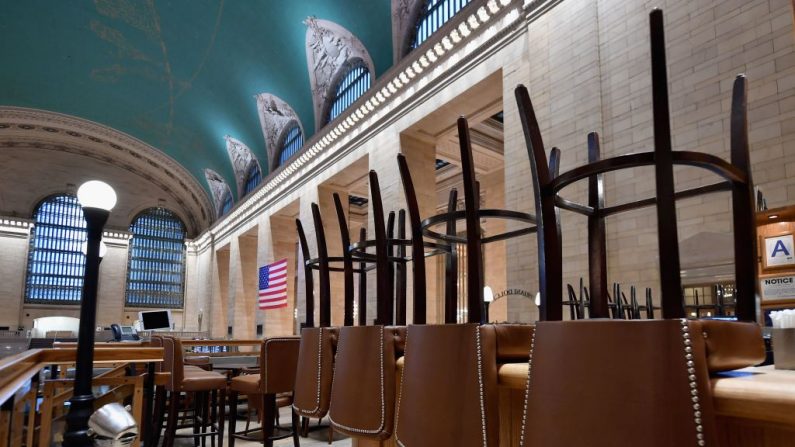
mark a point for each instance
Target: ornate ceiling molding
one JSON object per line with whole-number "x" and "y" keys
{"x": 219, "y": 189}
{"x": 276, "y": 118}
{"x": 330, "y": 49}
{"x": 405, "y": 14}
{"x": 43, "y": 129}
{"x": 242, "y": 158}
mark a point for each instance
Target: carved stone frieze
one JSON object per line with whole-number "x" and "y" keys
{"x": 242, "y": 158}
{"x": 42, "y": 129}
{"x": 405, "y": 14}
{"x": 219, "y": 189}
{"x": 276, "y": 118}
{"x": 330, "y": 49}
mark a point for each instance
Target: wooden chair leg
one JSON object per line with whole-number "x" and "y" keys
{"x": 221, "y": 417}
{"x": 330, "y": 433}
{"x": 232, "y": 417}
{"x": 197, "y": 419}
{"x": 159, "y": 414}
{"x": 295, "y": 423}
{"x": 268, "y": 418}
{"x": 304, "y": 427}
{"x": 171, "y": 424}
{"x": 213, "y": 419}
{"x": 206, "y": 420}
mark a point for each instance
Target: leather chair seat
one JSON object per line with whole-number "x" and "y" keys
{"x": 202, "y": 381}
{"x": 284, "y": 400}
{"x": 247, "y": 384}
{"x": 197, "y": 360}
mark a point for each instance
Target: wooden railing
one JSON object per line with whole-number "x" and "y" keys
{"x": 22, "y": 384}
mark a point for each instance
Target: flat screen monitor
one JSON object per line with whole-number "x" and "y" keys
{"x": 156, "y": 319}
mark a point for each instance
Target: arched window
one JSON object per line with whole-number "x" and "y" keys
{"x": 252, "y": 179}
{"x": 156, "y": 261}
{"x": 292, "y": 142}
{"x": 435, "y": 14}
{"x": 56, "y": 262}
{"x": 355, "y": 82}
{"x": 227, "y": 204}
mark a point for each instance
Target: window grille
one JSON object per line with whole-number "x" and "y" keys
{"x": 156, "y": 261}
{"x": 56, "y": 263}
{"x": 292, "y": 142}
{"x": 349, "y": 89}
{"x": 253, "y": 179}
{"x": 435, "y": 14}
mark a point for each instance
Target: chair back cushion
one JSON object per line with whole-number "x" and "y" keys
{"x": 448, "y": 393}
{"x": 363, "y": 389}
{"x": 278, "y": 362}
{"x": 172, "y": 362}
{"x": 615, "y": 383}
{"x": 732, "y": 344}
{"x": 314, "y": 372}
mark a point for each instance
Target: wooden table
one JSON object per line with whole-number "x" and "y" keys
{"x": 755, "y": 406}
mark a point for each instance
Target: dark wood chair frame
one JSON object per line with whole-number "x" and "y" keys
{"x": 548, "y": 184}
{"x": 474, "y": 240}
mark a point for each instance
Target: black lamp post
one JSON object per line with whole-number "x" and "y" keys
{"x": 97, "y": 199}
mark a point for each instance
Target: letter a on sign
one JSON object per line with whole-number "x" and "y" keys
{"x": 780, "y": 248}
{"x": 779, "y": 251}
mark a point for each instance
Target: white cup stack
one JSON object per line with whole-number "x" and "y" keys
{"x": 783, "y": 319}
{"x": 783, "y": 338}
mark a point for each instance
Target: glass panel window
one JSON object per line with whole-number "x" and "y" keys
{"x": 350, "y": 88}
{"x": 56, "y": 262}
{"x": 227, "y": 205}
{"x": 435, "y": 14}
{"x": 156, "y": 267}
{"x": 253, "y": 179}
{"x": 292, "y": 142}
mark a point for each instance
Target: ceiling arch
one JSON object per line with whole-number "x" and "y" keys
{"x": 242, "y": 158}
{"x": 44, "y": 152}
{"x": 330, "y": 49}
{"x": 178, "y": 75}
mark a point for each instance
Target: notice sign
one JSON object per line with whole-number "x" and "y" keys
{"x": 778, "y": 288}
{"x": 779, "y": 251}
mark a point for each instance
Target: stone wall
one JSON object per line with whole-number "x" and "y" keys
{"x": 587, "y": 66}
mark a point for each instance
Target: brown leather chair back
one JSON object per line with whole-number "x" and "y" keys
{"x": 448, "y": 393}
{"x": 172, "y": 362}
{"x": 618, "y": 383}
{"x": 156, "y": 341}
{"x": 363, "y": 390}
{"x": 314, "y": 371}
{"x": 732, "y": 344}
{"x": 278, "y": 362}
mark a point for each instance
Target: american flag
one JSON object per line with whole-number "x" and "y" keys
{"x": 273, "y": 285}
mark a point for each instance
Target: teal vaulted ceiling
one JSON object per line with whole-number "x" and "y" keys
{"x": 176, "y": 74}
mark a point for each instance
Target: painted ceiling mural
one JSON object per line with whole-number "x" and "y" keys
{"x": 179, "y": 75}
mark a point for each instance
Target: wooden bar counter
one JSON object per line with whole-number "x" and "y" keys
{"x": 755, "y": 406}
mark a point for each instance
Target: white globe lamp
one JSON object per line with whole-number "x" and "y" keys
{"x": 96, "y": 194}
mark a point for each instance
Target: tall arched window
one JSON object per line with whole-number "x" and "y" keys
{"x": 226, "y": 206}
{"x": 435, "y": 14}
{"x": 292, "y": 142}
{"x": 56, "y": 262}
{"x": 355, "y": 82}
{"x": 252, "y": 179}
{"x": 156, "y": 262}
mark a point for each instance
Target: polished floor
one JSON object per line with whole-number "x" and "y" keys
{"x": 317, "y": 438}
